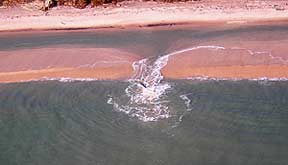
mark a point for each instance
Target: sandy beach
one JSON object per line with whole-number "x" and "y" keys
{"x": 231, "y": 61}
{"x": 108, "y": 63}
{"x": 139, "y": 14}
{"x": 49, "y": 63}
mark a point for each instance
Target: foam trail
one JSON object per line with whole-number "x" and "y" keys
{"x": 195, "y": 48}
{"x": 67, "y": 79}
{"x": 60, "y": 79}
{"x": 267, "y": 53}
{"x": 188, "y": 105}
{"x": 272, "y": 60}
{"x": 146, "y": 91}
{"x": 187, "y": 101}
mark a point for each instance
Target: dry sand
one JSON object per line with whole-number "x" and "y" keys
{"x": 135, "y": 13}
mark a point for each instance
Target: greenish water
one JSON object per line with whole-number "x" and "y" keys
{"x": 231, "y": 122}
{"x": 158, "y": 41}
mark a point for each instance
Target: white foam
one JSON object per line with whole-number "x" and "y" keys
{"x": 146, "y": 91}
{"x": 66, "y": 79}
{"x": 213, "y": 47}
{"x": 187, "y": 101}
{"x": 60, "y": 79}
{"x": 206, "y": 78}
{"x": 269, "y": 79}
{"x": 269, "y": 54}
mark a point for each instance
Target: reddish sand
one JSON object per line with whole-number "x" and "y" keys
{"x": 104, "y": 63}
{"x": 138, "y": 13}
{"x": 98, "y": 63}
{"x": 227, "y": 72}
{"x": 113, "y": 72}
{"x": 231, "y": 62}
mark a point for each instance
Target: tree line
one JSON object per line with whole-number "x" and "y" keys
{"x": 75, "y": 3}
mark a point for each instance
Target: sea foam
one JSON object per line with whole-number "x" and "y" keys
{"x": 147, "y": 92}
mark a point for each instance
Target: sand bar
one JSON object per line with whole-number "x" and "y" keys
{"x": 111, "y": 64}
{"x": 75, "y": 63}
{"x": 231, "y": 60}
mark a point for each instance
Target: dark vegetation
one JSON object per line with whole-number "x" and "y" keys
{"x": 82, "y": 3}
{"x": 13, "y": 2}
{"x": 76, "y": 3}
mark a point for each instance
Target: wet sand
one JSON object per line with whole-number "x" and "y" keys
{"x": 111, "y": 64}
{"x": 49, "y": 63}
{"x": 228, "y": 72}
{"x": 100, "y": 73}
{"x": 235, "y": 59}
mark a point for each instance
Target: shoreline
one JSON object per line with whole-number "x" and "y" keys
{"x": 56, "y": 62}
{"x": 136, "y": 14}
{"x": 139, "y": 16}
{"x": 201, "y": 73}
{"x": 62, "y": 64}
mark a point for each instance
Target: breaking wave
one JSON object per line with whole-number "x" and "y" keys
{"x": 61, "y": 79}
{"x": 145, "y": 97}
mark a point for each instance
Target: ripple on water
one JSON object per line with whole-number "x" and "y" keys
{"x": 146, "y": 96}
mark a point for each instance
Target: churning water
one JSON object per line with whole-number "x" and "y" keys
{"x": 147, "y": 91}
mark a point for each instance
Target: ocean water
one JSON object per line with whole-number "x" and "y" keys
{"x": 146, "y": 119}
{"x": 226, "y": 122}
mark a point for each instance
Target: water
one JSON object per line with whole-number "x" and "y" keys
{"x": 147, "y": 119}
{"x": 146, "y": 89}
{"x": 241, "y": 122}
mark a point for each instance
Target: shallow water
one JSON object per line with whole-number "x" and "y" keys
{"x": 241, "y": 122}
{"x": 147, "y": 119}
